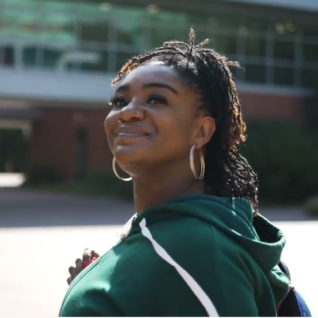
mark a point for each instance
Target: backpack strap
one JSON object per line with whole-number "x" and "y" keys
{"x": 293, "y": 305}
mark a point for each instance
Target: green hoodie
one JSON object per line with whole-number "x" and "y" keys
{"x": 199, "y": 255}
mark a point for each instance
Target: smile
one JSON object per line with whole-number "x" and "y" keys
{"x": 128, "y": 135}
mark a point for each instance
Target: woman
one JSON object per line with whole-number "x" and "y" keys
{"x": 196, "y": 246}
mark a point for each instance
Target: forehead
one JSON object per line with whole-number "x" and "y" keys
{"x": 152, "y": 73}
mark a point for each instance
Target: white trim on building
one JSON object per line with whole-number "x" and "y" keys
{"x": 84, "y": 88}
{"x": 307, "y": 5}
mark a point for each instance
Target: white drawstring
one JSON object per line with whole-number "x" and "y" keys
{"x": 124, "y": 231}
{"x": 194, "y": 286}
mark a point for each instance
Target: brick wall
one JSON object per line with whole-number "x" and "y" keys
{"x": 269, "y": 107}
{"x": 53, "y": 140}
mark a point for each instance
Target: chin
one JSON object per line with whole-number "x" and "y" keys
{"x": 127, "y": 156}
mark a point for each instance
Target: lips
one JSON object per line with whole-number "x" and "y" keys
{"x": 130, "y": 132}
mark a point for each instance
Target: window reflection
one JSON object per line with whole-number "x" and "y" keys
{"x": 121, "y": 58}
{"x": 94, "y": 31}
{"x": 226, "y": 44}
{"x": 6, "y": 55}
{"x": 310, "y": 77}
{"x": 256, "y": 25}
{"x": 255, "y": 46}
{"x": 284, "y": 76}
{"x": 91, "y": 36}
{"x": 310, "y": 52}
{"x": 284, "y": 49}
{"x": 255, "y": 73}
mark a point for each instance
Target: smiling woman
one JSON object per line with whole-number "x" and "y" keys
{"x": 142, "y": 133}
{"x": 196, "y": 245}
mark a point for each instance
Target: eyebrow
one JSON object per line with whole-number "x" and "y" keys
{"x": 149, "y": 85}
{"x": 122, "y": 88}
{"x": 162, "y": 85}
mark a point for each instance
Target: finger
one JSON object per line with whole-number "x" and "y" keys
{"x": 95, "y": 254}
{"x": 72, "y": 271}
{"x": 79, "y": 265}
{"x": 87, "y": 257}
{"x": 69, "y": 280}
{"x": 87, "y": 251}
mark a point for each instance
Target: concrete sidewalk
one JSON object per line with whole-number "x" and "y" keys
{"x": 42, "y": 234}
{"x": 11, "y": 180}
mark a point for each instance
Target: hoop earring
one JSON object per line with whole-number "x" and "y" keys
{"x": 202, "y": 163}
{"x": 116, "y": 173}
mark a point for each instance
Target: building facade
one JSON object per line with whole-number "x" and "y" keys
{"x": 57, "y": 59}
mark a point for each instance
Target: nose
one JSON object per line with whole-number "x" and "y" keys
{"x": 131, "y": 112}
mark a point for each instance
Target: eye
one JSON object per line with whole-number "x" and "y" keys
{"x": 157, "y": 99}
{"x": 118, "y": 102}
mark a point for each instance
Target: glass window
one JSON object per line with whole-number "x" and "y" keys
{"x": 59, "y": 27}
{"x": 202, "y": 33}
{"x": 158, "y": 34}
{"x": 83, "y": 59}
{"x": 255, "y": 73}
{"x": 97, "y": 64}
{"x": 122, "y": 58}
{"x": 50, "y": 57}
{"x": 56, "y": 6}
{"x": 238, "y": 73}
{"x": 282, "y": 28}
{"x": 255, "y": 46}
{"x": 30, "y": 56}
{"x": 27, "y": 19}
{"x": 136, "y": 36}
{"x": 6, "y": 55}
{"x": 42, "y": 56}
{"x": 94, "y": 31}
{"x": 20, "y": 23}
{"x": 196, "y": 19}
{"x": 310, "y": 30}
{"x": 256, "y": 25}
{"x": 284, "y": 76}
{"x": 310, "y": 52}
{"x": 226, "y": 44}
{"x": 131, "y": 25}
{"x": 309, "y": 77}
{"x": 284, "y": 49}
{"x": 228, "y": 22}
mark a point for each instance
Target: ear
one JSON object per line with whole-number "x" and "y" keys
{"x": 205, "y": 129}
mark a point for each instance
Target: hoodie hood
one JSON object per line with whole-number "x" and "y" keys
{"x": 235, "y": 217}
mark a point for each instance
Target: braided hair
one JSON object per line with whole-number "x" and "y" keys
{"x": 228, "y": 174}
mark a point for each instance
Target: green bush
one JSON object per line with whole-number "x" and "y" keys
{"x": 105, "y": 182}
{"x": 42, "y": 175}
{"x": 311, "y": 206}
{"x": 285, "y": 157}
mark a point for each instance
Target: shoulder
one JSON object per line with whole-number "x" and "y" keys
{"x": 185, "y": 239}
{"x": 157, "y": 258}
{"x": 182, "y": 233}
{"x": 149, "y": 264}
{"x": 182, "y": 238}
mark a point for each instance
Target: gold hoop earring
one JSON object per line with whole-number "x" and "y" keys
{"x": 116, "y": 174}
{"x": 202, "y": 163}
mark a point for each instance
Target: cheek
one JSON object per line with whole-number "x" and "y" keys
{"x": 174, "y": 129}
{"x": 110, "y": 124}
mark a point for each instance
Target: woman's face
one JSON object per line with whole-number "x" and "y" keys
{"x": 155, "y": 119}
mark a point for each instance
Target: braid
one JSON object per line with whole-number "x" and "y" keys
{"x": 228, "y": 174}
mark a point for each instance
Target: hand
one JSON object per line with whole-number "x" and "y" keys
{"x": 89, "y": 256}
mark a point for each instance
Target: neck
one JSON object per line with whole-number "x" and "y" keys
{"x": 157, "y": 187}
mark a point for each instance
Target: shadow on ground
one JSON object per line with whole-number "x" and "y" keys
{"x": 29, "y": 208}
{"x": 32, "y": 208}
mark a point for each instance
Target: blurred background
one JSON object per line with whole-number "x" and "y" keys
{"x": 57, "y": 59}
